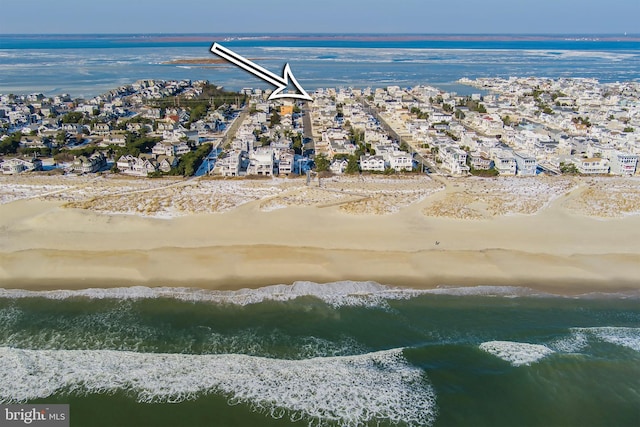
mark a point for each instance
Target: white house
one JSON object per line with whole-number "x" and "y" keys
{"x": 400, "y": 161}
{"x": 13, "y": 166}
{"x": 261, "y": 162}
{"x": 593, "y": 165}
{"x": 230, "y": 165}
{"x": 372, "y": 163}
{"x": 505, "y": 163}
{"x": 136, "y": 166}
{"x": 454, "y": 160}
{"x": 525, "y": 165}
{"x": 338, "y": 166}
{"x": 286, "y": 162}
{"x": 623, "y": 164}
{"x": 164, "y": 148}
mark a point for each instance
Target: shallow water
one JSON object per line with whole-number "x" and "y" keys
{"x": 351, "y": 353}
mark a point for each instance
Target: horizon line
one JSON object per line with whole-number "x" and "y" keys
{"x": 345, "y": 33}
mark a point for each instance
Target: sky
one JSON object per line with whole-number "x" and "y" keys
{"x": 321, "y": 16}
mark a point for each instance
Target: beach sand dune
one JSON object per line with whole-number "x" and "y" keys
{"x": 544, "y": 233}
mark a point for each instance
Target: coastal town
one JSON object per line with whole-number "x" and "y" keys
{"x": 364, "y": 150}
{"x": 521, "y": 127}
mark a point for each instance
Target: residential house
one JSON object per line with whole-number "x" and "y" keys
{"x": 505, "y": 162}
{"x": 136, "y": 166}
{"x": 101, "y": 129}
{"x": 593, "y": 165}
{"x": 338, "y": 166}
{"x": 525, "y": 165}
{"x": 182, "y": 148}
{"x": 286, "y": 162}
{"x": 164, "y": 148}
{"x": 166, "y": 163}
{"x": 480, "y": 161}
{"x": 372, "y": 163}
{"x": 400, "y": 161}
{"x": 261, "y": 162}
{"x": 623, "y": 164}
{"x": 117, "y": 139}
{"x": 230, "y": 165}
{"x": 89, "y": 164}
{"x": 454, "y": 160}
{"x": 13, "y": 166}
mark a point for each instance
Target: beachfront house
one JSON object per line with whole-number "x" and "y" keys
{"x": 230, "y": 165}
{"x": 525, "y": 165}
{"x": 479, "y": 161}
{"x": 89, "y": 164}
{"x": 338, "y": 166}
{"x": 136, "y": 166}
{"x": 454, "y": 160}
{"x": 505, "y": 162}
{"x": 286, "y": 162}
{"x": 372, "y": 163}
{"x": 400, "y": 161}
{"x": 623, "y": 164}
{"x": 261, "y": 162}
{"x": 14, "y": 166}
{"x": 593, "y": 165}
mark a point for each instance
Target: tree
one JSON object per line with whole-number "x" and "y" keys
{"x": 190, "y": 162}
{"x": 569, "y": 169}
{"x": 73, "y": 117}
{"x": 274, "y": 119}
{"x": 10, "y": 144}
{"x": 297, "y": 143}
{"x": 353, "y": 165}
{"x": 322, "y": 163}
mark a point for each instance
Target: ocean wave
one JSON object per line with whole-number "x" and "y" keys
{"x": 516, "y": 353}
{"x": 622, "y": 336}
{"x": 336, "y": 294}
{"x": 349, "y": 391}
{"x": 574, "y": 343}
{"x": 345, "y": 293}
{"x": 123, "y": 331}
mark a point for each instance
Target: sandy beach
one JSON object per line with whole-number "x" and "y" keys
{"x": 563, "y": 235}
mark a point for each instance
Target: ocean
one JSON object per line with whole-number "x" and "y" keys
{"x": 89, "y": 65}
{"x": 343, "y": 354}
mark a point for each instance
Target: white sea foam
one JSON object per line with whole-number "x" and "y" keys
{"x": 491, "y": 291}
{"x": 336, "y": 294}
{"x": 625, "y": 337}
{"x": 347, "y": 391}
{"x": 574, "y": 343}
{"x": 516, "y": 353}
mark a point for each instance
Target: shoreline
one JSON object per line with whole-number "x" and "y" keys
{"x": 256, "y": 266}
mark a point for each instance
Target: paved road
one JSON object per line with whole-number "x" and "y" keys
{"x": 230, "y": 132}
{"x": 307, "y": 127}
{"x": 427, "y": 164}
